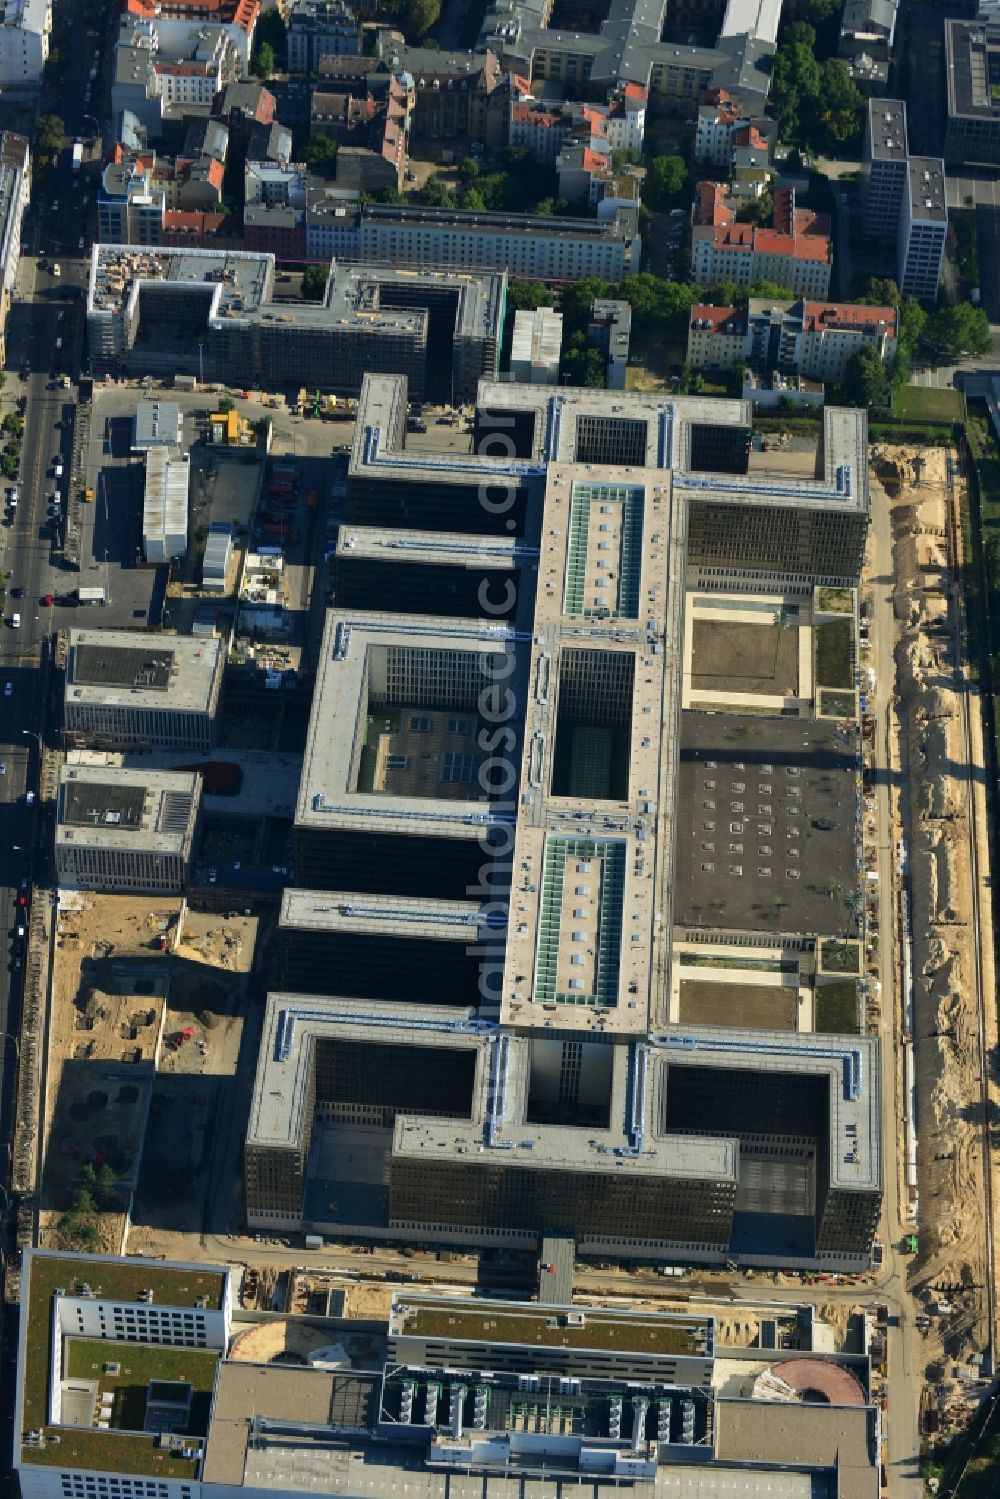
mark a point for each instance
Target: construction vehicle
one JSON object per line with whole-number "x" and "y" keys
{"x": 182, "y": 1037}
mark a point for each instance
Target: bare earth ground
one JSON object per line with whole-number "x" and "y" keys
{"x": 932, "y": 753}
{"x": 753, "y": 1007}
{"x": 745, "y": 657}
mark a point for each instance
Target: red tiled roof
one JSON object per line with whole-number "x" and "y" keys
{"x": 526, "y": 114}
{"x": 594, "y": 161}
{"x": 749, "y": 135}
{"x": 710, "y": 203}
{"x": 719, "y": 317}
{"x": 773, "y": 242}
{"x": 847, "y": 315}
{"x": 634, "y": 91}
{"x": 242, "y": 13}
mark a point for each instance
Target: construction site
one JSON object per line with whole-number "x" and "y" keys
{"x": 146, "y": 1010}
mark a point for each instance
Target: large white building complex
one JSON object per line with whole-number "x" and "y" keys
{"x": 142, "y": 1379}
{"x": 520, "y": 831}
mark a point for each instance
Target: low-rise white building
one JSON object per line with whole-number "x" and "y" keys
{"x": 536, "y": 346}
{"x": 165, "y": 505}
{"x": 126, "y": 830}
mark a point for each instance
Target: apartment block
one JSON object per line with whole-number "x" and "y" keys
{"x": 906, "y": 201}
{"x": 320, "y": 28}
{"x": 127, "y": 831}
{"x": 796, "y": 251}
{"x": 610, "y": 328}
{"x": 131, "y": 691}
{"x": 544, "y": 247}
{"x": 812, "y": 339}
{"x": 885, "y": 172}
{"x": 15, "y": 194}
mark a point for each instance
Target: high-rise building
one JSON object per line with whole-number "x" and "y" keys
{"x": 905, "y": 200}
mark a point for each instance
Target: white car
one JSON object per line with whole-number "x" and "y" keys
{"x": 8, "y": 689}
{"x": 15, "y": 621}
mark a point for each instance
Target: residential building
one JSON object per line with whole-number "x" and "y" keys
{"x": 126, "y": 690}
{"x": 15, "y": 194}
{"x": 274, "y": 183}
{"x": 24, "y": 42}
{"x": 331, "y": 223}
{"x": 795, "y": 251}
{"x": 717, "y": 338}
{"x": 923, "y": 229}
{"x": 375, "y": 316}
{"x": 536, "y": 346}
{"x": 165, "y": 505}
{"x": 625, "y": 48}
{"x": 320, "y": 28}
{"x": 455, "y": 96}
{"x": 972, "y": 70}
{"x": 176, "y": 20}
{"x": 126, "y": 831}
{"x": 528, "y": 246}
{"x": 545, "y": 129}
{"x": 815, "y": 340}
{"x": 155, "y": 82}
{"x": 277, "y": 229}
{"x": 610, "y": 327}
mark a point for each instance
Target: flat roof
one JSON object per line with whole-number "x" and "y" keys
{"x": 281, "y": 1394}
{"x": 777, "y": 1433}
{"x": 767, "y": 811}
{"x": 126, "y": 809}
{"x": 380, "y": 915}
{"x": 294, "y": 1022}
{"x": 124, "y": 668}
{"x": 654, "y": 1333}
{"x": 47, "y": 1274}
{"x": 928, "y": 190}
{"x": 972, "y": 57}
{"x": 544, "y": 226}
{"x": 431, "y": 548}
{"x": 328, "y": 796}
{"x": 887, "y": 129}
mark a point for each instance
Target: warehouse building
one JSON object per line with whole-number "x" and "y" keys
{"x": 130, "y": 831}
{"x": 126, "y": 690}
{"x": 165, "y": 505}
{"x": 212, "y": 313}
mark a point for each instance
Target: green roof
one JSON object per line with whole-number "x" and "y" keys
{"x": 548, "y": 1328}
{"x": 113, "y": 1280}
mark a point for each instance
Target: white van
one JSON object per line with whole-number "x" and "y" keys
{"x": 15, "y": 621}
{"x": 58, "y": 343}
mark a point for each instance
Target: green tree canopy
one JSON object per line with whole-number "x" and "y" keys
{"x": 320, "y": 153}
{"x": 264, "y": 61}
{"x": 958, "y": 330}
{"x": 525, "y": 296}
{"x": 582, "y": 363}
{"x": 866, "y": 382}
{"x": 665, "y": 177}
{"x": 48, "y": 134}
{"x": 314, "y": 280}
{"x": 421, "y": 15}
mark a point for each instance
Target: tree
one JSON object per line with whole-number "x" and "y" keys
{"x": 757, "y": 211}
{"x": 723, "y": 294}
{"x": 226, "y": 404}
{"x": 770, "y": 289}
{"x": 421, "y": 15}
{"x": 270, "y": 32}
{"x": 320, "y": 153}
{"x": 264, "y": 61}
{"x": 865, "y": 382}
{"x": 583, "y": 364}
{"x": 665, "y": 177}
{"x": 527, "y": 295}
{"x": 958, "y": 330}
{"x": 880, "y": 291}
{"x": 314, "y": 279}
{"x": 436, "y": 193}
